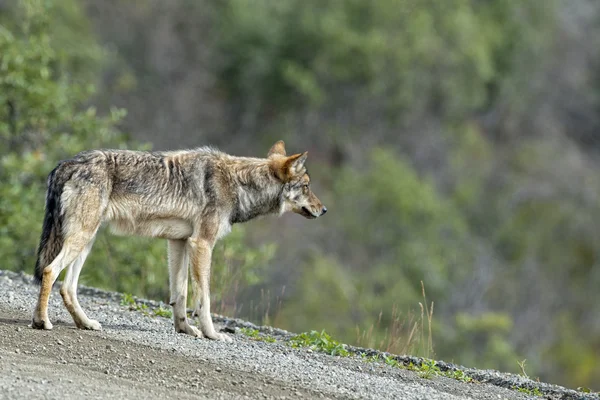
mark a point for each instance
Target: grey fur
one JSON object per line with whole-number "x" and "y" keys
{"x": 191, "y": 197}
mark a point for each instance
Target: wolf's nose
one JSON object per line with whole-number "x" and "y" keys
{"x": 324, "y": 210}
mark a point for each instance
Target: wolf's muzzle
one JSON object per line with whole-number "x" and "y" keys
{"x": 310, "y": 214}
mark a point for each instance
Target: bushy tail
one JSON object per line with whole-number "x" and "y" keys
{"x": 51, "y": 241}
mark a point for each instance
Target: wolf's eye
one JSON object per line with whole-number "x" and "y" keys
{"x": 305, "y": 187}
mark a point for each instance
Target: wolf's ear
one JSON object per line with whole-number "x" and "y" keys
{"x": 285, "y": 168}
{"x": 294, "y": 165}
{"x": 277, "y": 149}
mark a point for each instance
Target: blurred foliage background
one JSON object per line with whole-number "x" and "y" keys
{"x": 455, "y": 143}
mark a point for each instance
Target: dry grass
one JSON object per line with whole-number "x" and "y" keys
{"x": 409, "y": 333}
{"x": 401, "y": 333}
{"x": 264, "y": 312}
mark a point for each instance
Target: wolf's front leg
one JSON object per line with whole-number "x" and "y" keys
{"x": 200, "y": 255}
{"x": 178, "y": 280}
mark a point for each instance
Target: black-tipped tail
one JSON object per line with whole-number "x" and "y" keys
{"x": 51, "y": 240}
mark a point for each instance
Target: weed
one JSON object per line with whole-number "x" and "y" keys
{"x": 409, "y": 333}
{"x": 127, "y": 299}
{"x": 163, "y": 312}
{"x": 522, "y": 366}
{"x": 373, "y": 358}
{"x": 319, "y": 341}
{"x": 584, "y": 389}
{"x": 459, "y": 375}
{"x": 428, "y": 369}
{"x": 255, "y": 335}
{"x": 530, "y": 392}
{"x": 370, "y": 359}
{"x": 425, "y": 370}
{"x": 429, "y": 314}
{"x": 410, "y": 366}
{"x": 251, "y": 333}
{"x": 391, "y": 361}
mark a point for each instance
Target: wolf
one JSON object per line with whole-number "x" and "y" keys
{"x": 189, "y": 197}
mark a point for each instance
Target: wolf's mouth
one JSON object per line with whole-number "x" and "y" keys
{"x": 307, "y": 214}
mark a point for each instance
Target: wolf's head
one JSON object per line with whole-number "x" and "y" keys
{"x": 297, "y": 195}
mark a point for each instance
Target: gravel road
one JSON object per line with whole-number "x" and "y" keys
{"x": 140, "y": 356}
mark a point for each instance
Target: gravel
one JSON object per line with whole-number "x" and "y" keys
{"x": 139, "y": 356}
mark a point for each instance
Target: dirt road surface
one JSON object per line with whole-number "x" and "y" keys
{"x": 140, "y": 356}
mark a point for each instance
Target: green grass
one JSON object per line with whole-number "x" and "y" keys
{"x": 584, "y": 389}
{"x": 427, "y": 369}
{"x": 129, "y": 301}
{"x": 459, "y": 375}
{"x": 251, "y": 333}
{"x": 254, "y": 334}
{"x": 324, "y": 343}
{"x": 391, "y": 361}
{"x": 163, "y": 312}
{"x": 530, "y": 392}
{"x": 319, "y": 341}
{"x": 371, "y": 359}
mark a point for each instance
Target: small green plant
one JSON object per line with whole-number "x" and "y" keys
{"x": 459, "y": 375}
{"x": 584, "y": 389}
{"x": 163, "y": 312}
{"x": 391, "y": 361}
{"x": 320, "y": 341}
{"x": 428, "y": 369}
{"x": 371, "y": 359}
{"x": 254, "y": 334}
{"x": 530, "y": 392}
{"x": 251, "y": 333}
{"x": 127, "y": 299}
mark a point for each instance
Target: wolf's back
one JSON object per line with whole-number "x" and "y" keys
{"x": 51, "y": 240}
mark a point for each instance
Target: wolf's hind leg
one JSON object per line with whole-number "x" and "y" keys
{"x": 82, "y": 211}
{"x": 196, "y": 301}
{"x": 70, "y": 251}
{"x": 68, "y": 292}
{"x": 178, "y": 281}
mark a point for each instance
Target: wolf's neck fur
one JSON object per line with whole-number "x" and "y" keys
{"x": 257, "y": 191}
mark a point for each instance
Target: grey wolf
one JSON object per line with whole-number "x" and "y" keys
{"x": 189, "y": 197}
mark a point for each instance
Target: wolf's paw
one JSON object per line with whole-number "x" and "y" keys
{"x": 189, "y": 330}
{"x": 41, "y": 324}
{"x": 219, "y": 336}
{"x": 90, "y": 324}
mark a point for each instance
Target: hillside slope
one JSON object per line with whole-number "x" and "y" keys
{"x": 137, "y": 355}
